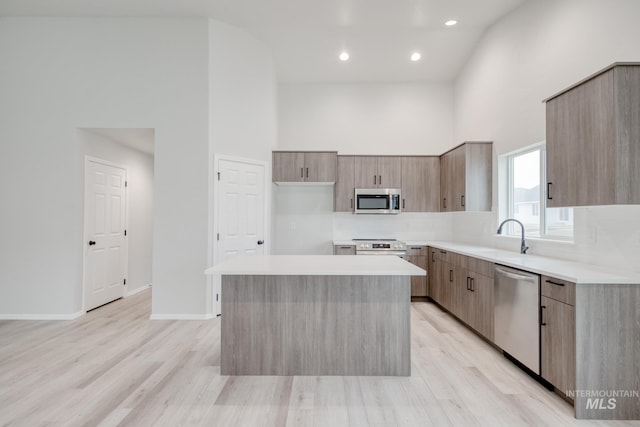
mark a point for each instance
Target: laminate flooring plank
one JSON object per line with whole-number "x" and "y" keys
{"x": 114, "y": 366}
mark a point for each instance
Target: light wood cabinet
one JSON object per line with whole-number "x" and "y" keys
{"x": 558, "y": 333}
{"x": 477, "y": 301}
{"x": 345, "y": 184}
{"x": 420, "y": 183}
{"x": 344, "y": 249}
{"x": 378, "y": 172}
{"x": 418, "y": 255}
{"x": 292, "y": 166}
{"x": 593, "y": 140}
{"x": 465, "y": 178}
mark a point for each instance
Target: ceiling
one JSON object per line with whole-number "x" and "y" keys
{"x": 306, "y": 36}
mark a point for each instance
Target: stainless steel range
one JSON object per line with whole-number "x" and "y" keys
{"x": 380, "y": 247}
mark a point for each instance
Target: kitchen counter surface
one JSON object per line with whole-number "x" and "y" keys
{"x": 317, "y": 265}
{"x": 567, "y": 270}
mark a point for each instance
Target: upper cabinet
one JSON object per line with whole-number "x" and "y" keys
{"x": 420, "y": 183}
{"x": 465, "y": 178}
{"x": 593, "y": 140}
{"x": 378, "y": 172}
{"x": 308, "y": 166}
{"x": 345, "y": 184}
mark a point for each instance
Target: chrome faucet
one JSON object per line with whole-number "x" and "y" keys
{"x": 523, "y": 245}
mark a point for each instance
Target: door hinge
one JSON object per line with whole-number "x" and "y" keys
{"x": 218, "y": 176}
{"x": 124, "y": 281}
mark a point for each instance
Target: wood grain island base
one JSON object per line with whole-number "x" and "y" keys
{"x": 341, "y": 318}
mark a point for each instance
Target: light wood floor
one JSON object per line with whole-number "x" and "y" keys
{"x": 113, "y": 366}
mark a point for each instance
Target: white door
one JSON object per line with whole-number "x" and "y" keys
{"x": 241, "y": 213}
{"x": 105, "y": 242}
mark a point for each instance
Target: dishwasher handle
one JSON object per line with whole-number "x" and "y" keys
{"x": 515, "y": 276}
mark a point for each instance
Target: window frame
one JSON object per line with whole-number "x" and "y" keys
{"x": 510, "y": 211}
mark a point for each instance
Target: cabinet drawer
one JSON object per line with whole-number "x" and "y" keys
{"x": 480, "y": 266}
{"x": 558, "y": 289}
{"x": 414, "y": 250}
{"x": 444, "y": 255}
{"x": 344, "y": 249}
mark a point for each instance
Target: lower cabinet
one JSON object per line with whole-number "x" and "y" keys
{"x": 419, "y": 284}
{"x": 558, "y": 333}
{"x": 457, "y": 285}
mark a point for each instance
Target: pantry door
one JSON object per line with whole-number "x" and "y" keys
{"x": 240, "y": 211}
{"x": 105, "y": 245}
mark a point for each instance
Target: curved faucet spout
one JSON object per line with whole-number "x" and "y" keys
{"x": 523, "y": 245}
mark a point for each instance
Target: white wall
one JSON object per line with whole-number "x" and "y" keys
{"x": 411, "y": 118}
{"x": 140, "y": 202}
{"x": 534, "y": 52}
{"x": 60, "y": 74}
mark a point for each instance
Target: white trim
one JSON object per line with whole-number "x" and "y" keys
{"x": 182, "y": 317}
{"x": 137, "y": 290}
{"x": 71, "y": 316}
{"x": 88, "y": 159}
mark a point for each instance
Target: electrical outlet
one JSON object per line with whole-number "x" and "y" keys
{"x": 593, "y": 235}
{"x": 292, "y": 225}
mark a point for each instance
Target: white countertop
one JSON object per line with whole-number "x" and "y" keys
{"x": 566, "y": 270}
{"x": 317, "y": 265}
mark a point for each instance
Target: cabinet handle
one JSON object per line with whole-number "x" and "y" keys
{"x": 468, "y": 286}
{"x": 351, "y": 203}
{"x": 374, "y": 179}
{"x": 445, "y": 202}
{"x": 307, "y": 172}
{"x": 554, "y": 283}
{"x": 451, "y": 275}
{"x": 345, "y": 247}
{"x": 462, "y": 200}
{"x": 549, "y": 191}
{"x": 433, "y": 256}
{"x": 542, "y": 307}
{"x": 301, "y": 172}
{"x": 473, "y": 284}
{"x": 443, "y": 252}
{"x": 379, "y": 179}
{"x": 402, "y": 203}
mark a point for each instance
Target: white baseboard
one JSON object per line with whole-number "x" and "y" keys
{"x": 137, "y": 290}
{"x": 41, "y": 316}
{"x": 182, "y": 316}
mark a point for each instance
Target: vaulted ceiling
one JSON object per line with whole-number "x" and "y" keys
{"x": 307, "y": 36}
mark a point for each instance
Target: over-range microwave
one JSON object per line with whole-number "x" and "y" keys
{"x": 377, "y": 201}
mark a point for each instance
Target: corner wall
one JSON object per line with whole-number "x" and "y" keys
{"x": 534, "y": 52}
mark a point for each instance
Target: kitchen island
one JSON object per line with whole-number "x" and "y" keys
{"x": 316, "y": 315}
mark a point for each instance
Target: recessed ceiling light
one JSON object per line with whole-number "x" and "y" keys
{"x": 344, "y": 56}
{"x": 451, "y": 23}
{"x": 415, "y": 56}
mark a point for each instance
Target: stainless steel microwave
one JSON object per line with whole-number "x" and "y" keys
{"x": 377, "y": 201}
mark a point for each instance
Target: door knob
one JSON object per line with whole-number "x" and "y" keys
{"x": 260, "y": 242}
{"x": 92, "y": 242}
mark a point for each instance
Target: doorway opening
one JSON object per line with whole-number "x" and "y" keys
{"x": 118, "y": 213}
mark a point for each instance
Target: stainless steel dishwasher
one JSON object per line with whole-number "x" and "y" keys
{"x": 516, "y": 323}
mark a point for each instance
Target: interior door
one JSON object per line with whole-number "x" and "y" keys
{"x": 241, "y": 213}
{"x": 105, "y": 242}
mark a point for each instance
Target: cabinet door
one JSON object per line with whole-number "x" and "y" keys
{"x": 389, "y": 172}
{"x": 480, "y": 304}
{"x": 345, "y": 184}
{"x": 320, "y": 167}
{"x": 418, "y": 283}
{"x": 432, "y": 276}
{"x": 581, "y": 164}
{"x": 447, "y": 281}
{"x": 446, "y": 181}
{"x": 366, "y": 171}
{"x": 478, "y": 171}
{"x": 458, "y": 178}
{"x": 557, "y": 343}
{"x": 420, "y": 184}
{"x": 287, "y": 166}
{"x": 344, "y": 249}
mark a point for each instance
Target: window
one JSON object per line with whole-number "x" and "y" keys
{"x": 526, "y": 198}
